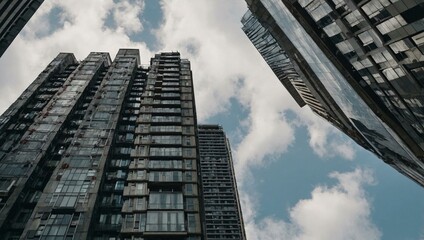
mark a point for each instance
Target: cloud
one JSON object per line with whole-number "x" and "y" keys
{"x": 223, "y": 60}
{"x": 125, "y": 14}
{"x": 324, "y": 139}
{"x": 337, "y": 212}
{"x": 80, "y": 28}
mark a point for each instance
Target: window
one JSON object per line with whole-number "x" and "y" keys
{"x": 171, "y": 84}
{"x": 44, "y": 127}
{"x": 190, "y": 189}
{"x": 374, "y": 7}
{"x": 120, "y": 162}
{"x": 366, "y": 37}
{"x": 419, "y": 39}
{"x": 193, "y": 222}
{"x": 57, "y": 225}
{"x": 164, "y": 200}
{"x": 166, "y": 176}
{"x": 165, "y": 129}
{"x": 110, "y": 219}
{"x": 109, "y": 200}
{"x": 382, "y": 57}
{"x": 166, "y": 110}
{"x": 139, "y": 175}
{"x": 170, "y": 89}
{"x": 391, "y": 24}
{"x": 189, "y": 164}
{"x": 304, "y": 3}
{"x": 165, "y": 164}
{"x": 101, "y": 116}
{"x": 138, "y": 203}
{"x": 332, "y": 29}
{"x": 166, "y": 119}
{"x": 399, "y": 46}
{"x": 140, "y": 150}
{"x": 191, "y": 204}
{"x": 135, "y": 221}
{"x": 354, "y": 18}
{"x": 318, "y": 9}
{"x": 123, "y": 150}
{"x": 64, "y": 201}
{"x": 172, "y": 139}
{"x": 188, "y": 176}
{"x": 119, "y": 185}
{"x": 165, "y": 151}
{"x": 72, "y": 187}
{"x": 344, "y": 47}
{"x": 176, "y": 102}
{"x": 395, "y": 73}
{"x": 170, "y": 94}
{"x": 165, "y": 221}
{"x": 137, "y": 188}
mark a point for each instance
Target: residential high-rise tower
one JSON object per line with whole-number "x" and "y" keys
{"x": 358, "y": 64}
{"x": 103, "y": 149}
{"x": 223, "y": 218}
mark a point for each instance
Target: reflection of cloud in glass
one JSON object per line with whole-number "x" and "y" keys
{"x": 342, "y": 93}
{"x": 366, "y": 131}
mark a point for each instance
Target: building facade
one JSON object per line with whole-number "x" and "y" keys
{"x": 358, "y": 64}
{"x": 14, "y": 14}
{"x": 103, "y": 149}
{"x": 223, "y": 217}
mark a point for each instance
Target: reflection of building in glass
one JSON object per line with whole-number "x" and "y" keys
{"x": 358, "y": 64}
{"x": 220, "y": 197}
{"x": 103, "y": 149}
{"x": 14, "y": 14}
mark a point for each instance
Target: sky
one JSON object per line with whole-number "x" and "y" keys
{"x": 298, "y": 177}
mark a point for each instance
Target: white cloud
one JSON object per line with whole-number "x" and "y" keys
{"x": 338, "y": 212}
{"x": 126, "y": 15}
{"x": 81, "y": 30}
{"x": 325, "y": 140}
{"x": 224, "y": 62}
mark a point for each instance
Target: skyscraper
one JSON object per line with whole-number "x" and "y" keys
{"x": 223, "y": 218}
{"x": 103, "y": 149}
{"x": 358, "y": 64}
{"x": 14, "y": 14}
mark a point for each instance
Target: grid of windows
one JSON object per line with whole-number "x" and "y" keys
{"x": 124, "y": 157}
{"x": 366, "y": 46}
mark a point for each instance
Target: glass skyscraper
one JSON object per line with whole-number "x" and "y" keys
{"x": 358, "y": 64}
{"x": 103, "y": 149}
{"x": 14, "y": 14}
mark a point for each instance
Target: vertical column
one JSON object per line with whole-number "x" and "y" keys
{"x": 67, "y": 195}
{"x": 223, "y": 218}
{"x": 22, "y": 170}
{"x": 107, "y": 221}
{"x": 161, "y": 196}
